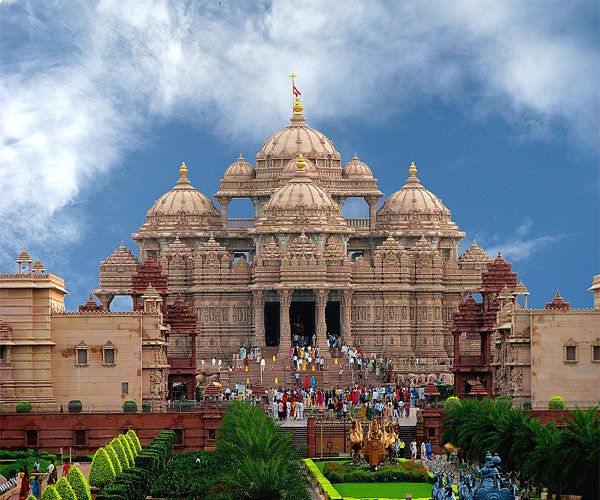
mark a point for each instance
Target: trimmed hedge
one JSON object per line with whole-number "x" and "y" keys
{"x": 50, "y": 493}
{"x": 79, "y": 484}
{"x": 127, "y": 448}
{"x": 556, "y": 403}
{"x": 130, "y": 406}
{"x": 24, "y": 407}
{"x": 102, "y": 471}
{"x": 65, "y": 490}
{"x": 404, "y": 472}
{"x": 136, "y": 441}
{"x": 114, "y": 458}
{"x": 323, "y": 482}
{"x": 120, "y": 451}
{"x": 134, "y": 483}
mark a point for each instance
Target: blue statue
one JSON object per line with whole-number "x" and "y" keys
{"x": 491, "y": 486}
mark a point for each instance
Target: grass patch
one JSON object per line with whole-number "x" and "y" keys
{"x": 384, "y": 490}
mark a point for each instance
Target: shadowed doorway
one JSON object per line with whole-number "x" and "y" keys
{"x": 302, "y": 321}
{"x": 272, "y": 326}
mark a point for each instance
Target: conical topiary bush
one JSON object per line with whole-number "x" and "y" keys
{"x": 127, "y": 448}
{"x": 114, "y": 458}
{"x": 79, "y": 484}
{"x": 65, "y": 490}
{"x": 120, "y": 451}
{"x": 102, "y": 471}
{"x": 136, "y": 441}
{"x": 132, "y": 447}
{"x": 50, "y": 493}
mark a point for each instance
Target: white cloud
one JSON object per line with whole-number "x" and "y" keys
{"x": 525, "y": 227}
{"x": 518, "y": 246}
{"x": 83, "y": 82}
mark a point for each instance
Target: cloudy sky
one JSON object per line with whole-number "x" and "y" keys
{"x": 496, "y": 102}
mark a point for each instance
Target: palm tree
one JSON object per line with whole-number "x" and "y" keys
{"x": 254, "y": 460}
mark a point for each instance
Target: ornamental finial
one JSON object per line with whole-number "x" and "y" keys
{"x": 300, "y": 163}
{"x": 413, "y": 169}
{"x": 183, "y": 170}
{"x": 298, "y": 106}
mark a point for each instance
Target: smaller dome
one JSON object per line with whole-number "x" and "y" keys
{"x": 291, "y": 168}
{"x": 413, "y": 198}
{"x": 356, "y": 169}
{"x": 184, "y": 200}
{"x": 240, "y": 168}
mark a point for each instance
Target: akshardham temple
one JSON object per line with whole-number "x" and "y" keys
{"x": 389, "y": 283}
{"x": 206, "y": 287}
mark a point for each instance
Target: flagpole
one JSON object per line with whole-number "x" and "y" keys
{"x": 292, "y": 76}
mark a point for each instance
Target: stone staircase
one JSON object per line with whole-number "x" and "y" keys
{"x": 299, "y": 437}
{"x": 282, "y": 370}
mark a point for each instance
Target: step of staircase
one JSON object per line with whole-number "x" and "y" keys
{"x": 299, "y": 438}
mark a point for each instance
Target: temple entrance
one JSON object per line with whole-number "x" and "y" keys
{"x": 333, "y": 318}
{"x": 302, "y": 322}
{"x": 272, "y": 326}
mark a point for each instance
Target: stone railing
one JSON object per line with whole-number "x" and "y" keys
{"x": 358, "y": 222}
{"x": 239, "y": 223}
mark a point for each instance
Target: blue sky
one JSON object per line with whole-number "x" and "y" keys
{"x": 496, "y": 102}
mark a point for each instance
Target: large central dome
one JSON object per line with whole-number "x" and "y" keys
{"x": 298, "y": 138}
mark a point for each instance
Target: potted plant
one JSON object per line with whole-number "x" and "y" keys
{"x": 75, "y": 406}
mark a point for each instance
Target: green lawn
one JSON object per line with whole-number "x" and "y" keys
{"x": 383, "y": 490}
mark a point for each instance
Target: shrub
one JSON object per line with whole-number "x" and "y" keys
{"x": 102, "y": 471}
{"x": 183, "y": 477}
{"x": 50, "y": 493}
{"x": 79, "y": 484}
{"x": 75, "y": 406}
{"x": 130, "y": 406}
{"x": 131, "y": 433}
{"x": 134, "y": 450}
{"x": 127, "y": 448}
{"x": 451, "y": 403}
{"x": 114, "y": 458}
{"x": 24, "y": 407}
{"x": 120, "y": 451}
{"x": 556, "y": 403}
{"x": 65, "y": 490}
{"x": 357, "y": 476}
{"x": 31, "y": 497}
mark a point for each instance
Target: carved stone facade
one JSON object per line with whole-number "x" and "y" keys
{"x": 538, "y": 354}
{"x": 50, "y": 357}
{"x": 389, "y": 283}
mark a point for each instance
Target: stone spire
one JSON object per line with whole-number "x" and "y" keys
{"x": 558, "y": 304}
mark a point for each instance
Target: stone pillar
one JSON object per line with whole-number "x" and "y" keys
{"x": 372, "y": 202}
{"x": 321, "y": 299}
{"x": 224, "y": 207}
{"x": 346, "y": 331}
{"x": 258, "y": 301}
{"x": 285, "y": 342}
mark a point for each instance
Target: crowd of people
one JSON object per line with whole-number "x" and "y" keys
{"x": 31, "y": 481}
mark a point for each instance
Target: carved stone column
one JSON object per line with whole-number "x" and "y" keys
{"x": 285, "y": 342}
{"x": 224, "y": 208}
{"x": 321, "y": 298}
{"x": 258, "y": 300}
{"x": 372, "y": 202}
{"x": 346, "y": 315}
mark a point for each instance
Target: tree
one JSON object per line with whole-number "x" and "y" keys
{"x": 79, "y": 484}
{"x": 132, "y": 447}
{"x": 102, "y": 470}
{"x": 114, "y": 458}
{"x": 254, "y": 460}
{"x": 65, "y": 489}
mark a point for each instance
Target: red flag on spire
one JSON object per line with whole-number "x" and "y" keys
{"x": 296, "y": 91}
